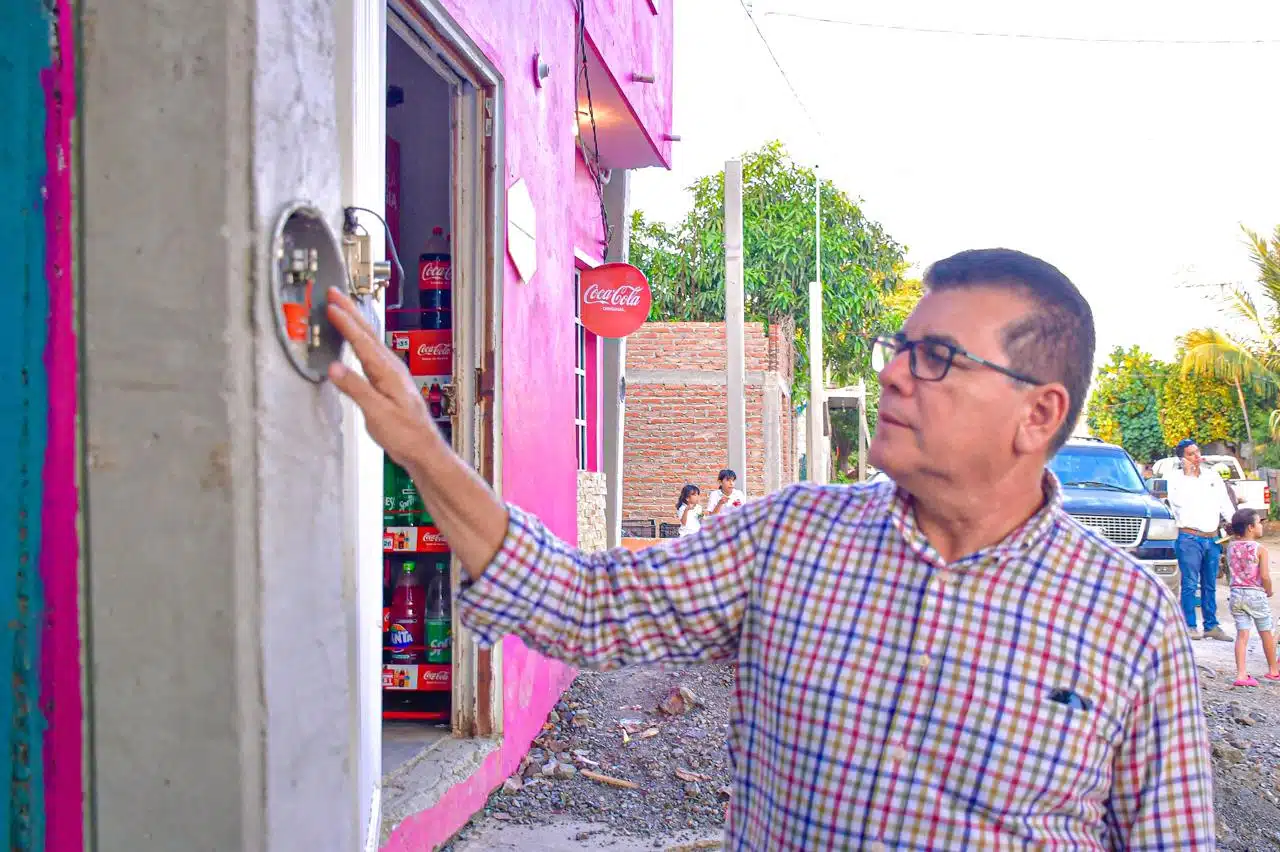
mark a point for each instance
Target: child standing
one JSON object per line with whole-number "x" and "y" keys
{"x": 689, "y": 510}
{"x": 1250, "y": 588}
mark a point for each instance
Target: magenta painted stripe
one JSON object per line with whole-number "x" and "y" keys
{"x": 60, "y": 659}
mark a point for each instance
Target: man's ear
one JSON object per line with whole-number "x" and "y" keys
{"x": 1045, "y": 412}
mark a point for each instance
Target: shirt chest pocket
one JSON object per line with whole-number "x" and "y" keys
{"x": 1033, "y": 755}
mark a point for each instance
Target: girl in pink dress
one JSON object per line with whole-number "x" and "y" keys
{"x": 1250, "y": 592}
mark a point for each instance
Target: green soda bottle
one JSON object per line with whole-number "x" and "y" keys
{"x": 438, "y": 625}
{"x": 390, "y": 490}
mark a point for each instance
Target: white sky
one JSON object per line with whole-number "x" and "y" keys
{"x": 1130, "y": 167}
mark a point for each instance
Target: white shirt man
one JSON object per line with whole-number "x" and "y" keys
{"x": 1199, "y": 502}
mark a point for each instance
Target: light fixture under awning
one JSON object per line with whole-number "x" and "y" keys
{"x": 624, "y": 142}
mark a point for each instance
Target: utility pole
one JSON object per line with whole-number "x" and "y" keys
{"x": 814, "y": 437}
{"x": 734, "y": 310}
{"x": 816, "y": 440}
{"x": 862, "y": 430}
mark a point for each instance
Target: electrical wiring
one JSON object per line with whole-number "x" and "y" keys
{"x": 592, "y": 157}
{"x": 819, "y": 19}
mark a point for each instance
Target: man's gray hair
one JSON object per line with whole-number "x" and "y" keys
{"x": 1055, "y": 342}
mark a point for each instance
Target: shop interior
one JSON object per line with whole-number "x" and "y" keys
{"x": 417, "y": 657}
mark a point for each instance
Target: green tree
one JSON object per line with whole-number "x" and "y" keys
{"x": 1249, "y": 363}
{"x": 860, "y": 262}
{"x": 897, "y": 306}
{"x": 1199, "y": 406}
{"x": 1123, "y": 407}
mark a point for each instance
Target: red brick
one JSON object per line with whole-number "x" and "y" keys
{"x": 677, "y": 433}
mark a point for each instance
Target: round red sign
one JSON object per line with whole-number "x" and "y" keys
{"x": 614, "y": 299}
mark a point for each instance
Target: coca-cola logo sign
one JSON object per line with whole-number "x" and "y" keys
{"x": 614, "y": 299}
{"x": 435, "y": 350}
{"x": 440, "y": 676}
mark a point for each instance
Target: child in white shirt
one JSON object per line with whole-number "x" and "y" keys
{"x": 726, "y": 497}
{"x": 689, "y": 510}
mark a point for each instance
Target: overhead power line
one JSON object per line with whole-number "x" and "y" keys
{"x": 786, "y": 79}
{"x": 903, "y": 28}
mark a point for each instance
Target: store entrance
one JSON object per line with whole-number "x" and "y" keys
{"x": 419, "y": 665}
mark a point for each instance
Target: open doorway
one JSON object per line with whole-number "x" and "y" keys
{"x": 440, "y": 318}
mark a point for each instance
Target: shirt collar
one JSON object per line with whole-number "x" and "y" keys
{"x": 1028, "y": 535}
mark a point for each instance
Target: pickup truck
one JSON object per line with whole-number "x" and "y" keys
{"x": 1102, "y": 488}
{"x": 1245, "y": 493}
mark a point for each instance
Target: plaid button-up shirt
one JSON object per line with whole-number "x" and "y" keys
{"x": 1040, "y": 693}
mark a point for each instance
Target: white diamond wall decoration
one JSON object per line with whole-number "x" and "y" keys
{"x": 522, "y": 230}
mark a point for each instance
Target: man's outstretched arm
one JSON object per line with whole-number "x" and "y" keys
{"x": 683, "y": 603}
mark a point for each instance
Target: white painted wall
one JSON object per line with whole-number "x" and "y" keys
{"x": 361, "y": 67}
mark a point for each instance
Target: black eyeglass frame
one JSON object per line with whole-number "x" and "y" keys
{"x": 899, "y": 342}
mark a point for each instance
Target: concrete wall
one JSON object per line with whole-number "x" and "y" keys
{"x": 219, "y": 635}
{"x": 677, "y": 431}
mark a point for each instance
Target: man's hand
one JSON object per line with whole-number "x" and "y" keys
{"x": 464, "y": 508}
{"x": 394, "y": 410}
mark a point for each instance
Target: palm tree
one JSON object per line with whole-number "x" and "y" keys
{"x": 1253, "y": 359}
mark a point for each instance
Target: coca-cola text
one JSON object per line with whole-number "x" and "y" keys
{"x": 623, "y": 296}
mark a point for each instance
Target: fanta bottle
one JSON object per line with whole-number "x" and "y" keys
{"x": 408, "y": 631}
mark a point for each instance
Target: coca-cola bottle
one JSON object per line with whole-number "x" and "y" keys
{"x": 435, "y": 400}
{"x": 435, "y": 274}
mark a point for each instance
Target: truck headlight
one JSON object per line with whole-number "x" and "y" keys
{"x": 1162, "y": 529}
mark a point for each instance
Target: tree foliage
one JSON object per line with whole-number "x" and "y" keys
{"x": 1250, "y": 362}
{"x": 860, "y": 262}
{"x": 898, "y": 305}
{"x": 1198, "y": 406}
{"x": 1124, "y": 405}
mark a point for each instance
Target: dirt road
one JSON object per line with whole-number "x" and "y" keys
{"x": 1244, "y": 725}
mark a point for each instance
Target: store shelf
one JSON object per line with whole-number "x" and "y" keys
{"x": 413, "y": 540}
{"x": 417, "y": 678}
{"x": 416, "y": 715}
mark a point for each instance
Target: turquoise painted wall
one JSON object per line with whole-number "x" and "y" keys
{"x": 24, "y": 56}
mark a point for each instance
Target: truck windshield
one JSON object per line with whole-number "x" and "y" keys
{"x": 1077, "y": 468}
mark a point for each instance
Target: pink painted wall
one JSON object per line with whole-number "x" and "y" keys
{"x": 539, "y": 457}
{"x": 61, "y": 702}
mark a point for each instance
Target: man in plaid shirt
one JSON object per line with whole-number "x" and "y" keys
{"x": 943, "y": 661}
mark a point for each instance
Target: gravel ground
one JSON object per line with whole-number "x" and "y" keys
{"x": 672, "y": 762}
{"x": 1244, "y": 726}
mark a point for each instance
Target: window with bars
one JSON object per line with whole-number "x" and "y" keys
{"x": 580, "y": 431}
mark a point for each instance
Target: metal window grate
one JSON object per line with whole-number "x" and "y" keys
{"x": 579, "y": 376}
{"x": 640, "y": 529}
{"x": 1120, "y": 531}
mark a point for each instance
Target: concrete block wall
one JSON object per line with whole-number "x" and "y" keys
{"x": 676, "y": 427}
{"x": 592, "y": 535}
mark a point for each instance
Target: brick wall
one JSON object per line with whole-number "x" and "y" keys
{"x": 676, "y": 428}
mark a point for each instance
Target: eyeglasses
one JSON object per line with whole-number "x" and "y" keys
{"x": 931, "y": 358}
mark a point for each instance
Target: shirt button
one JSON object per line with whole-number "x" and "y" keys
{"x": 875, "y": 846}
{"x": 897, "y": 753}
{"x": 923, "y": 660}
